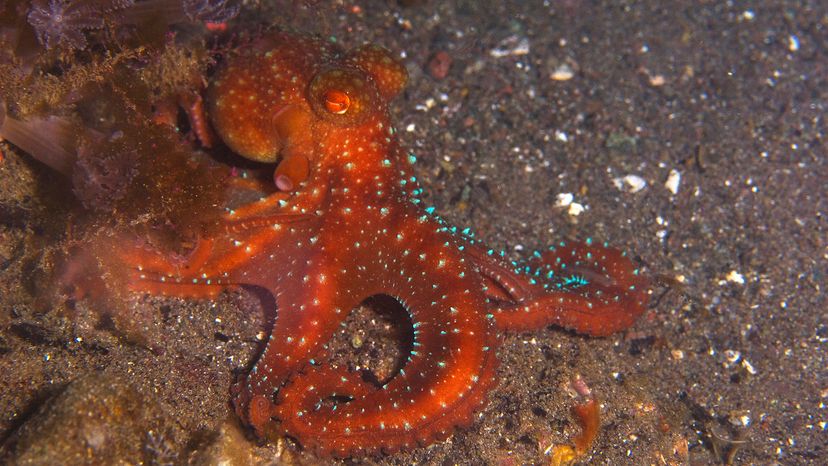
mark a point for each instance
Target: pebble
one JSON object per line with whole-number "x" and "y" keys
{"x": 630, "y": 183}
{"x": 563, "y": 73}
{"x": 673, "y": 181}
{"x": 511, "y": 46}
{"x": 439, "y": 65}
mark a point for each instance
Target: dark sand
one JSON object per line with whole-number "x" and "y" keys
{"x": 727, "y": 365}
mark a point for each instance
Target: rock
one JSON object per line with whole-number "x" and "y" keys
{"x": 228, "y": 448}
{"x": 97, "y": 419}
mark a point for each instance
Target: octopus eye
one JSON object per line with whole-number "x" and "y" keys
{"x": 344, "y": 96}
{"x": 337, "y": 102}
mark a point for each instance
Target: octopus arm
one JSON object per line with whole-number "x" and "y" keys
{"x": 589, "y": 289}
{"x": 445, "y": 379}
{"x": 213, "y": 264}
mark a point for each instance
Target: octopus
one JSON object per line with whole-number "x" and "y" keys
{"x": 342, "y": 219}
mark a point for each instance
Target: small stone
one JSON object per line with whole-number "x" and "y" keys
{"x": 510, "y": 46}
{"x": 562, "y": 73}
{"x": 793, "y": 43}
{"x": 673, "y": 181}
{"x": 564, "y": 199}
{"x": 749, "y": 367}
{"x": 567, "y": 200}
{"x": 657, "y": 80}
{"x": 630, "y": 183}
{"x": 575, "y": 209}
{"x": 439, "y": 65}
{"x": 735, "y": 277}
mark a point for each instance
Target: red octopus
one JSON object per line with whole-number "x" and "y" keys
{"x": 346, "y": 224}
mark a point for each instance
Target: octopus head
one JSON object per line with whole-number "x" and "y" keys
{"x": 279, "y": 99}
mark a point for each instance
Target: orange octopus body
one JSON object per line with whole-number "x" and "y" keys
{"x": 347, "y": 224}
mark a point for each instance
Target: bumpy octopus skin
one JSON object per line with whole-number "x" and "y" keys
{"x": 345, "y": 224}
